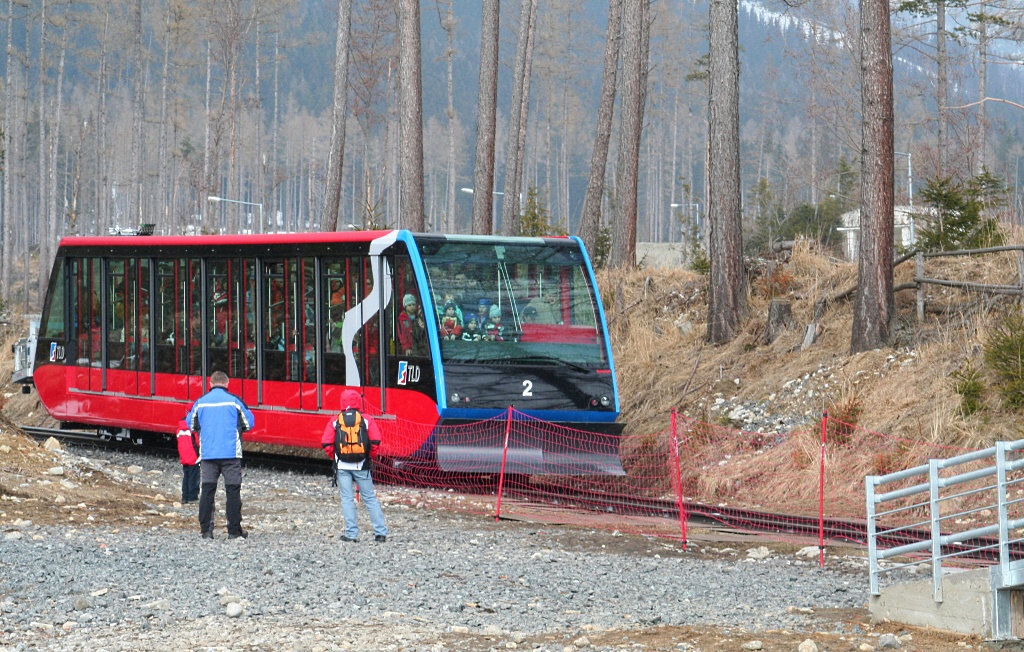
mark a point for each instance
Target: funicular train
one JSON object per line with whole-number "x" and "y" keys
{"x": 132, "y": 326}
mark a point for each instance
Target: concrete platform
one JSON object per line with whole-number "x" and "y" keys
{"x": 966, "y": 607}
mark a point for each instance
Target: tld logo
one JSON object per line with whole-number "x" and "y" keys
{"x": 408, "y": 373}
{"x": 56, "y": 352}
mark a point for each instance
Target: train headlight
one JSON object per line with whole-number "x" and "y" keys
{"x": 455, "y": 398}
{"x": 605, "y": 401}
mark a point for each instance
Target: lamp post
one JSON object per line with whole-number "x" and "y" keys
{"x": 694, "y": 209}
{"x": 910, "y": 191}
{"x": 213, "y": 199}
{"x": 494, "y": 203}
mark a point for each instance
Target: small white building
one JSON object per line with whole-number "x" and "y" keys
{"x": 903, "y": 229}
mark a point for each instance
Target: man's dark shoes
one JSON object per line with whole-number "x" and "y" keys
{"x": 380, "y": 538}
{"x": 207, "y": 534}
{"x": 241, "y": 534}
{"x": 349, "y": 539}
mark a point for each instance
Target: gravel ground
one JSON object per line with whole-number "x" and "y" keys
{"x": 444, "y": 580}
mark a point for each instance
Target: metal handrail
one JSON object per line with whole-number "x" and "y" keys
{"x": 947, "y": 540}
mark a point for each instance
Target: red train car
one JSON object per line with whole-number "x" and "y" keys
{"x": 133, "y": 325}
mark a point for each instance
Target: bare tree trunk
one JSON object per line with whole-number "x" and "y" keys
{"x": 275, "y": 126}
{"x": 727, "y": 284}
{"x": 135, "y": 196}
{"x": 410, "y": 116}
{"x": 55, "y": 225}
{"x": 256, "y": 183}
{"x": 941, "y": 81}
{"x": 983, "y": 87}
{"x": 162, "y": 157}
{"x": 102, "y": 176}
{"x": 449, "y": 28}
{"x": 873, "y": 307}
{"x": 514, "y": 224}
{"x": 43, "y": 218}
{"x": 517, "y": 121}
{"x": 486, "y": 121}
{"x": 204, "y": 188}
{"x": 336, "y": 158}
{"x": 590, "y": 222}
{"x": 8, "y": 215}
{"x": 635, "y": 16}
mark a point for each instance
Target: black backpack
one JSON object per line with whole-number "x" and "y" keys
{"x": 351, "y": 439}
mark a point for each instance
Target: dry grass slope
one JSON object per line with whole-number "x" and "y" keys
{"x": 658, "y": 321}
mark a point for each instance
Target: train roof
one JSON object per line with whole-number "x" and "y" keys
{"x": 314, "y": 237}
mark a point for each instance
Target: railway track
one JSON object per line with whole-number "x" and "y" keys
{"x": 514, "y": 488}
{"x": 564, "y": 496}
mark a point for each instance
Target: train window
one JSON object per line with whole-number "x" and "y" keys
{"x": 82, "y": 302}
{"x": 167, "y": 322}
{"x": 347, "y": 281}
{"x": 218, "y": 314}
{"x": 410, "y": 330}
{"x": 243, "y": 321}
{"x": 275, "y": 332}
{"x": 91, "y": 334}
{"x": 516, "y": 302}
{"x": 194, "y": 336}
{"x": 137, "y": 318}
{"x": 307, "y": 321}
{"x": 53, "y": 320}
{"x": 120, "y": 277}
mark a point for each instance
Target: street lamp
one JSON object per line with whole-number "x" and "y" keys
{"x": 213, "y": 199}
{"x": 910, "y": 191}
{"x": 694, "y": 208}
{"x": 494, "y": 201}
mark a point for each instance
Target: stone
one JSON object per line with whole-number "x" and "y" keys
{"x": 752, "y": 645}
{"x": 760, "y": 552}
{"x": 51, "y": 444}
{"x": 233, "y": 610}
{"x": 807, "y": 646}
{"x": 889, "y": 642}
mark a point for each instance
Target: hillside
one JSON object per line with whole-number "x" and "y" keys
{"x": 658, "y": 324}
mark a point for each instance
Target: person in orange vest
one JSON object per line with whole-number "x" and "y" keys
{"x": 348, "y": 439}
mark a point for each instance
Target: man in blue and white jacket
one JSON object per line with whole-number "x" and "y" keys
{"x": 220, "y": 418}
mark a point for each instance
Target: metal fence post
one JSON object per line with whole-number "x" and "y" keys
{"x": 1004, "y": 534}
{"x": 869, "y": 491}
{"x": 936, "y": 528}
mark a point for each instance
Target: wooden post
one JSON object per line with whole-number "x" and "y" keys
{"x": 919, "y": 279}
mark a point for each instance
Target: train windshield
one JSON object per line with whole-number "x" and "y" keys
{"x": 527, "y": 303}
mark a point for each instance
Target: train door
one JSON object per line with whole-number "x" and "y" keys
{"x": 306, "y": 334}
{"x": 85, "y": 303}
{"x": 119, "y": 296}
{"x": 221, "y": 316}
{"x": 170, "y": 340}
{"x": 280, "y": 328}
{"x": 243, "y": 290}
{"x": 193, "y": 281}
{"x": 138, "y": 335}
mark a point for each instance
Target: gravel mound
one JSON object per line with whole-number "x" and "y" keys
{"x": 442, "y": 578}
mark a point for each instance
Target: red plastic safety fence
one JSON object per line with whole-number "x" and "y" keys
{"x": 807, "y": 483}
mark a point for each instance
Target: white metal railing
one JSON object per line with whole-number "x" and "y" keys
{"x": 963, "y": 506}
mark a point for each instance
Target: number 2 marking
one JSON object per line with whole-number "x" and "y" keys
{"x": 528, "y": 388}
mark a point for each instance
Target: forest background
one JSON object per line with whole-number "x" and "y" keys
{"x": 122, "y": 113}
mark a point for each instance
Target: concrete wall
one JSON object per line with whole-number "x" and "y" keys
{"x": 966, "y": 606}
{"x": 661, "y": 254}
